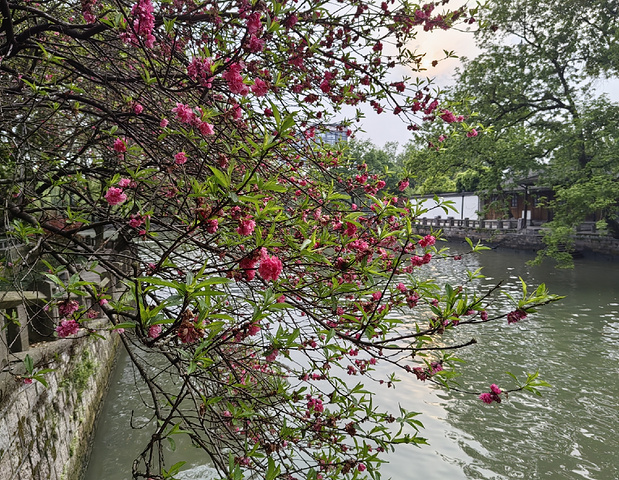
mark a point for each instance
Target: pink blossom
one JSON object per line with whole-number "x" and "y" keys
{"x": 28, "y": 381}
{"x": 260, "y": 88}
{"x": 184, "y": 113}
{"x": 124, "y": 183}
{"x": 351, "y": 229}
{"x": 206, "y": 128}
{"x": 516, "y": 315}
{"x": 115, "y": 196}
{"x": 449, "y": 117}
{"x": 486, "y": 398}
{"x": 255, "y": 44}
{"x": 421, "y": 373}
{"x": 87, "y": 7}
{"x": 253, "y": 329}
{"x": 272, "y": 356}
{"x": 137, "y": 108}
{"x": 67, "y": 308}
{"x": 253, "y": 23}
{"x": 164, "y": 123}
{"x": 144, "y": 22}
{"x": 401, "y": 287}
{"x": 212, "y": 225}
{"x": 154, "y": 331}
{"x": 270, "y": 268}
{"x": 483, "y": 315}
{"x": 135, "y": 222}
{"x": 246, "y": 227}
{"x": 67, "y": 327}
{"x": 291, "y": 21}
{"x": 361, "y": 467}
{"x": 235, "y": 79}
{"x": 495, "y": 389}
{"x": 416, "y": 261}
{"x": 180, "y": 158}
{"x": 248, "y": 268}
{"x": 200, "y": 69}
{"x": 120, "y": 145}
{"x": 427, "y": 241}
{"x": 472, "y": 133}
{"x": 119, "y": 330}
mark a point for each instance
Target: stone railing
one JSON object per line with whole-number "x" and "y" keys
{"x": 450, "y": 222}
{"x": 514, "y": 224}
{"x": 45, "y": 431}
{"x": 30, "y": 317}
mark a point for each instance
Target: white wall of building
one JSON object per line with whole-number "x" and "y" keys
{"x": 466, "y": 206}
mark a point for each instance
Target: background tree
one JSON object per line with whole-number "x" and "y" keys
{"x": 534, "y": 83}
{"x": 180, "y": 136}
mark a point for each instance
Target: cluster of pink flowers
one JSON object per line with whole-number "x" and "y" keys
{"x": 136, "y": 221}
{"x": 472, "y": 133}
{"x": 180, "y": 158}
{"x": 67, "y": 327}
{"x": 154, "y": 331}
{"x": 235, "y": 79}
{"x": 424, "y": 373}
{"x": 246, "y": 227}
{"x": 120, "y": 145}
{"x": 212, "y": 225}
{"x": 417, "y": 261}
{"x": 115, "y": 196}
{"x": 87, "y": 10}
{"x": 314, "y": 405}
{"x": 427, "y": 241}
{"x": 185, "y": 114}
{"x": 351, "y": 229}
{"x": 144, "y": 23}
{"x": 516, "y": 315}
{"x": 272, "y": 355}
{"x": 260, "y": 88}
{"x": 449, "y": 117}
{"x": 270, "y": 268}
{"x": 67, "y": 308}
{"x": 255, "y": 44}
{"x": 492, "y": 395}
{"x": 200, "y": 69}
{"x": 248, "y": 268}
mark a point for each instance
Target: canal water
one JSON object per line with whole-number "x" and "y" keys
{"x": 568, "y": 433}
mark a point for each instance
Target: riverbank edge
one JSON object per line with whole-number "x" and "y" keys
{"x": 45, "y": 432}
{"x": 524, "y": 239}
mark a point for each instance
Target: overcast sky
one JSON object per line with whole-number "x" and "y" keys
{"x": 387, "y": 127}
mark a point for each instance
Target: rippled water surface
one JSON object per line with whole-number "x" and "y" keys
{"x": 569, "y": 433}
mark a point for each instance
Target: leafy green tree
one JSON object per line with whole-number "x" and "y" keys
{"x": 384, "y": 161}
{"x": 533, "y": 85}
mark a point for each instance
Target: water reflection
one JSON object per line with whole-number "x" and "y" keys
{"x": 569, "y": 433}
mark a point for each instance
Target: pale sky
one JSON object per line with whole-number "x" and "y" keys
{"x": 387, "y": 127}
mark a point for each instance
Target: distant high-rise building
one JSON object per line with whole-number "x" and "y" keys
{"x": 333, "y": 134}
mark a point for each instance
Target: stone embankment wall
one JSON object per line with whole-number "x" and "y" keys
{"x": 45, "y": 432}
